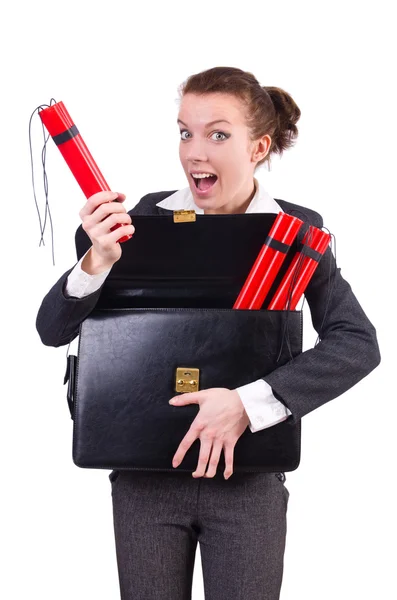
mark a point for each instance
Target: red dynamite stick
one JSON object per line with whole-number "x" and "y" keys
{"x": 71, "y": 145}
{"x": 271, "y": 256}
{"x": 315, "y": 244}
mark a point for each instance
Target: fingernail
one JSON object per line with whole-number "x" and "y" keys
{"x": 172, "y": 401}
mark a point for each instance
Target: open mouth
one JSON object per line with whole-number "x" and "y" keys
{"x": 204, "y": 183}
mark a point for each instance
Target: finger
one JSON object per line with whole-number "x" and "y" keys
{"x": 229, "y": 455}
{"x": 184, "y": 446}
{"x": 107, "y": 210}
{"x": 214, "y": 459}
{"x": 187, "y": 398}
{"x": 205, "y": 451}
{"x": 118, "y": 233}
{"x": 104, "y": 210}
{"x": 120, "y": 198}
{"x": 110, "y": 221}
{"x": 99, "y": 198}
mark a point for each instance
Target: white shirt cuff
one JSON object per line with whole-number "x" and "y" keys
{"x": 80, "y": 284}
{"x": 262, "y": 408}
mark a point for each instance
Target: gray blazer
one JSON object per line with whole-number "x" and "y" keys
{"x": 347, "y": 352}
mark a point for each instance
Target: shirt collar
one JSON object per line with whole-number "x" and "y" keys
{"x": 262, "y": 202}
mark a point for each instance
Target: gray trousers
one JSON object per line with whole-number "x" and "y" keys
{"x": 240, "y": 524}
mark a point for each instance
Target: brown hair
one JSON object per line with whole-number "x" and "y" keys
{"x": 268, "y": 110}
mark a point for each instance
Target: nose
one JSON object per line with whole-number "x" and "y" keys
{"x": 196, "y": 152}
{"x": 196, "y": 158}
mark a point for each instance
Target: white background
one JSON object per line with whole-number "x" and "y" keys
{"x": 117, "y": 67}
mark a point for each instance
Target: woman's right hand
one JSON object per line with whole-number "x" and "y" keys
{"x": 99, "y": 214}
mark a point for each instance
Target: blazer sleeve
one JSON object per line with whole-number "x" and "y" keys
{"x": 59, "y": 316}
{"x": 347, "y": 352}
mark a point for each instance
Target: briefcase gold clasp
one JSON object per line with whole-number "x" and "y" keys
{"x": 184, "y": 216}
{"x": 187, "y": 379}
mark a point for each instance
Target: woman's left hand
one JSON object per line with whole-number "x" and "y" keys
{"x": 220, "y": 422}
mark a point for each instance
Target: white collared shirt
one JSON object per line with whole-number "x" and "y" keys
{"x": 262, "y": 408}
{"x": 262, "y": 202}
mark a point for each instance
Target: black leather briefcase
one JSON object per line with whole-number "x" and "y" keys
{"x": 132, "y": 361}
{"x": 164, "y": 324}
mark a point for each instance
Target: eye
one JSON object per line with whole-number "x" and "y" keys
{"x": 225, "y": 136}
{"x": 183, "y": 131}
{"x": 221, "y": 133}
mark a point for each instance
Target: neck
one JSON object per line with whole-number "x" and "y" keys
{"x": 234, "y": 210}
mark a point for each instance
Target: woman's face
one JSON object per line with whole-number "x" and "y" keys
{"x": 220, "y": 148}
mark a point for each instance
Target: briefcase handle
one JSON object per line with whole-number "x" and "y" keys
{"x": 70, "y": 377}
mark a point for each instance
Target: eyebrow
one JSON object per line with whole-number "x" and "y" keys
{"x": 208, "y": 124}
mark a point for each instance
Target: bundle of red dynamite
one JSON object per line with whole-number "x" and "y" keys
{"x": 71, "y": 145}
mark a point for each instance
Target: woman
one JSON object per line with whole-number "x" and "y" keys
{"x": 229, "y": 126}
